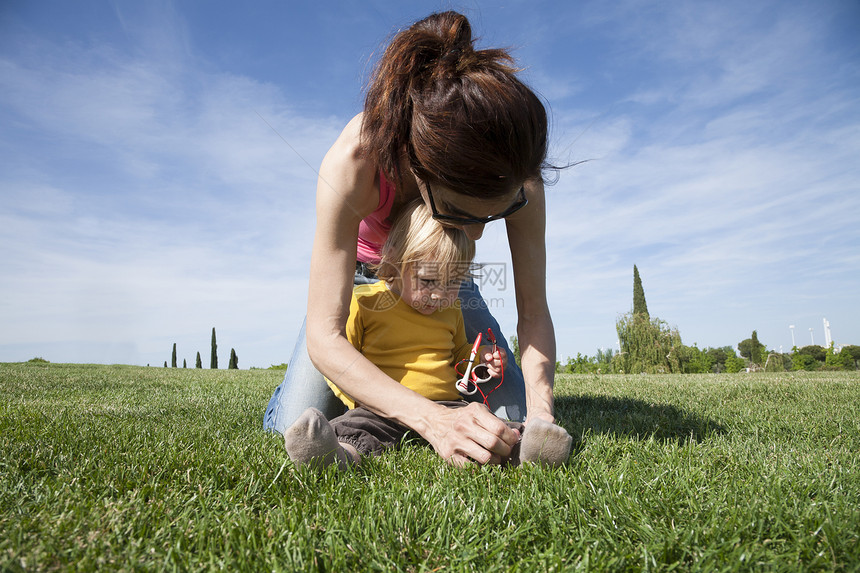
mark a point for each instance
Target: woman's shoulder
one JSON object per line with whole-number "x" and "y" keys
{"x": 348, "y": 172}
{"x": 348, "y": 146}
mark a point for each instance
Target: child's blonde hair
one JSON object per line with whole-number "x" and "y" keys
{"x": 416, "y": 237}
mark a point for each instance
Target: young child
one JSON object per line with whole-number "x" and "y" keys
{"x": 409, "y": 324}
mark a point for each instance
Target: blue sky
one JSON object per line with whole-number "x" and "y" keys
{"x": 157, "y": 168}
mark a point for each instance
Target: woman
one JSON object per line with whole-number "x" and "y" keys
{"x": 455, "y": 127}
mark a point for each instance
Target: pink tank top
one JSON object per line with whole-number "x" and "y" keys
{"x": 374, "y": 229}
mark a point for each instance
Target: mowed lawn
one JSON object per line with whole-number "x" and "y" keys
{"x": 119, "y": 467}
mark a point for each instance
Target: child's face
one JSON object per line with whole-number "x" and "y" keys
{"x": 428, "y": 287}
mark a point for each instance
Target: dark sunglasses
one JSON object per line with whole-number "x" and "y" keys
{"x": 454, "y": 219}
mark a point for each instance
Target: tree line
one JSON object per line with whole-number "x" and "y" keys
{"x": 213, "y": 357}
{"x": 650, "y": 345}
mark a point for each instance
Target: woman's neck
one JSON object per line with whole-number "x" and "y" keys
{"x": 406, "y": 190}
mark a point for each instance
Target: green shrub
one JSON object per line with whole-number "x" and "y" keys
{"x": 735, "y": 364}
{"x": 647, "y": 345}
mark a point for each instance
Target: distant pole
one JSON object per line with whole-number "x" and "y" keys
{"x": 812, "y": 337}
{"x": 827, "y": 338}
{"x": 791, "y": 326}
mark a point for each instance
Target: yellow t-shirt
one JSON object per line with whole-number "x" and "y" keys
{"x": 417, "y": 350}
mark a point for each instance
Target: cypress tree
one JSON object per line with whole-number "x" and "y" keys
{"x": 213, "y": 359}
{"x": 234, "y": 360}
{"x": 173, "y": 358}
{"x": 755, "y": 354}
{"x": 199, "y": 362}
{"x": 184, "y": 364}
{"x": 639, "y": 305}
{"x": 751, "y": 348}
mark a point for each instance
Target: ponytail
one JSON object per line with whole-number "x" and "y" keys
{"x": 460, "y": 114}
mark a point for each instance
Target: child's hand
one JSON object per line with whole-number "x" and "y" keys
{"x": 495, "y": 362}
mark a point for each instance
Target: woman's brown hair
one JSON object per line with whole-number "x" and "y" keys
{"x": 461, "y": 115}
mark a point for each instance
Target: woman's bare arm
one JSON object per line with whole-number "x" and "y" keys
{"x": 535, "y": 332}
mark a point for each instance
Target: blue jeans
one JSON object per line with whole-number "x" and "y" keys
{"x": 304, "y": 387}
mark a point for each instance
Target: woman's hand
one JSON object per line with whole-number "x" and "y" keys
{"x": 470, "y": 434}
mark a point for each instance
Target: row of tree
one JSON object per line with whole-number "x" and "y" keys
{"x": 649, "y": 345}
{"x": 213, "y": 357}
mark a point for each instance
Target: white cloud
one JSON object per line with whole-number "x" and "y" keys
{"x": 174, "y": 205}
{"x": 735, "y": 190}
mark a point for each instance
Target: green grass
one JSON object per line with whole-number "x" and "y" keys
{"x": 114, "y": 467}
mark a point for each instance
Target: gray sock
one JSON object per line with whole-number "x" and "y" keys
{"x": 545, "y": 443}
{"x": 311, "y": 440}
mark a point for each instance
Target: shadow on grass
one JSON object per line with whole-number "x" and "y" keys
{"x": 632, "y": 418}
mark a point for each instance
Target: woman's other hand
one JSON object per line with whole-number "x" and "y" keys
{"x": 470, "y": 434}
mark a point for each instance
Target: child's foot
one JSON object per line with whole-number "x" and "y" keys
{"x": 545, "y": 443}
{"x": 311, "y": 440}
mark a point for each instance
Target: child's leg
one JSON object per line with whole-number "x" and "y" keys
{"x": 368, "y": 433}
{"x": 357, "y": 433}
{"x": 312, "y": 440}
